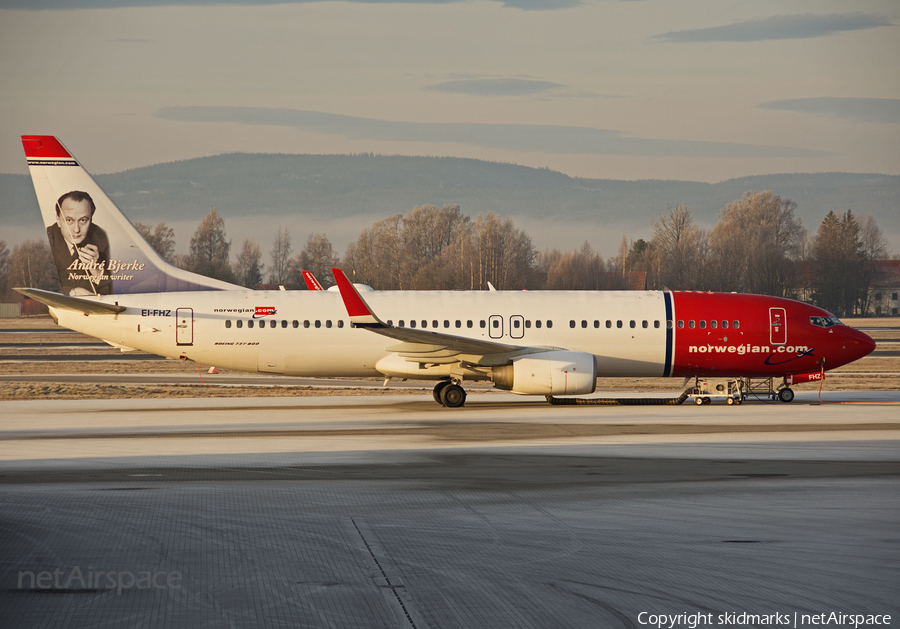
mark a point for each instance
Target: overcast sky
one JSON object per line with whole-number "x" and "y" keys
{"x": 699, "y": 90}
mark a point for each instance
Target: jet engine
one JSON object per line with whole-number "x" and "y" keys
{"x": 548, "y": 373}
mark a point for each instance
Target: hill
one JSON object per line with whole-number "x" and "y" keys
{"x": 341, "y": 194}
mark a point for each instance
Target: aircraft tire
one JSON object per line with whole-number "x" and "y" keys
{"x": 453, "y": 396}
{"x": 786, "y": 395}
{"x": 440, "y": 386}
{"x": 729, "y": 401}
{"x": 698, "y": 401}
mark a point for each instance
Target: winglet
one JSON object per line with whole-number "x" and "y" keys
{"x": 357, "y": 308}
{"x": 311, "y": 282}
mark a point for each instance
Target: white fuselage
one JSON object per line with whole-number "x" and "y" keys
{"x": 312, "y": 335}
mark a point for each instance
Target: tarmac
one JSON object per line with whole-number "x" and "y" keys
{"x": 396, "y": 512}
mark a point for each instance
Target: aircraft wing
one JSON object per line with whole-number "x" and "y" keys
{"x": 57, "y": 300}
{"x": 425, "y": 345}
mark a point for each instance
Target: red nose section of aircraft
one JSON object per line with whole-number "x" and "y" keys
{"x": 856, "y": 344}
{"x": 719, "y": 334}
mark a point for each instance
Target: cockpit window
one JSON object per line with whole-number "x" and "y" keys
{"x": 824, "y": 322}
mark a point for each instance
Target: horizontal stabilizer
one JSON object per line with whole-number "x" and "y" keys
{"x": 56, "y": 300}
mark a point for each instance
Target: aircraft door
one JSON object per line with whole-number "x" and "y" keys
{"x": 184, "y": 326}
{"x": 777, "y": 326}
{"x": 495, "y": 327}
{"x": 517, "y": 326}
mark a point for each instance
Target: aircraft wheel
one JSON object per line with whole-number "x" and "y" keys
{"x": 707, "y": 400}
{"x": 453, "y": 396}
{"x": 698, "y": 401}
{"x": 440, "y": 386}
{"x": 729, "y": 401}
{"x": 786, "y": 395}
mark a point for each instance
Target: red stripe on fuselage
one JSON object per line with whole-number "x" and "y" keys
{"x": 748, "y": 350}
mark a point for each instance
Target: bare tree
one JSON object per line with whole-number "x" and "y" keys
{"x": 210, "y": 249}
{"x": 874, "y": 248}
{"x": 161, "y": 238}
{"x": 426, "y": 232}
{"x": 247, "y": 268}
{"x": 376, "y": 256}
{"x": 31, "y": 266}
{"x": 582, "y": 269}
{"x": 491, "y": 249}
{"x": 679, "y": 250}
{"x": 281, "y": 255}
{"x": 753, "y": 244}
{"x": 4, "y": 268}
{"x": 317, "y": 257}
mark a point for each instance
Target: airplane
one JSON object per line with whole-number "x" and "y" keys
{"x": 549, "y": 343}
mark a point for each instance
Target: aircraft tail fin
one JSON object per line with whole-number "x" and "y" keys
{"x": 96, "y": 249}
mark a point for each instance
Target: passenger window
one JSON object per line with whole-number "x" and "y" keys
{"x": 632, "y": 324}
{"x": 608, "y": 323}
{"x": 656, "y": 324}
{"x": 306, "y": 323}
{"x": 401, "y": 324}
{"x": 596, "y": 323}
{"x": 318, "y": 323}
{"x": 273, "y": 323}
{"x": 434, "y": 324}
{"x": 283, "y": 323}
{"x": 691, "y": 324}
{"x": 341, "y": 323}
{"x": 703, "y": 325}
{"x": 424, "y": 323}
{"x": 549, "y": 323}
{"x": 724, "y": 325}
{"x": 619, "y": 324}
{"x": 239, "y": 323}
{"x": 713, "y": 324}
{"x": 295, "y": 323}
{"x": 458, "y": 323}
{"x": 571, "y": 323}
{"x": 446, "y": 323}
{"x": 412, "y": 323}
{"x": 583, "y": 323}
{"x": 228, "y": 324}
{"x": 528, "y": 324}
{"x": 735, "y": 324}
{"x": 537, "y": 323}
{"x": 469, "y": 323}
{"x": 670, "y": 324}
{"x": 680, "y": 324}
{"x": 644, "y": 324}
{"x": 496, "y": 323}
{"x": 482, "y": 323}
{"x": 328, "y": 323}
{"x": 250, "y": 323}
{"x": 515, "y": 323}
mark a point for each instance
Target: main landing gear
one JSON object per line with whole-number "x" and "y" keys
{"x": 450, "y": 394}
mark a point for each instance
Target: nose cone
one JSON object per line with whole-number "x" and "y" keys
{"x": 857, "y": 344}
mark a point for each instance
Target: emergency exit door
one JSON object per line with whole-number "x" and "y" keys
{"x": 777, "y": 326}
{"x": 184, "y": 326}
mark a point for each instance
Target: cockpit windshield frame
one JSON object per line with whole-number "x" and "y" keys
{"x": 825, "y": 322}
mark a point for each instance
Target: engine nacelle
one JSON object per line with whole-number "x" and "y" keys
{"x": 549, "y": 373}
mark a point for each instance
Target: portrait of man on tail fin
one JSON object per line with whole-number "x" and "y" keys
{"x": 80, "y": 247}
